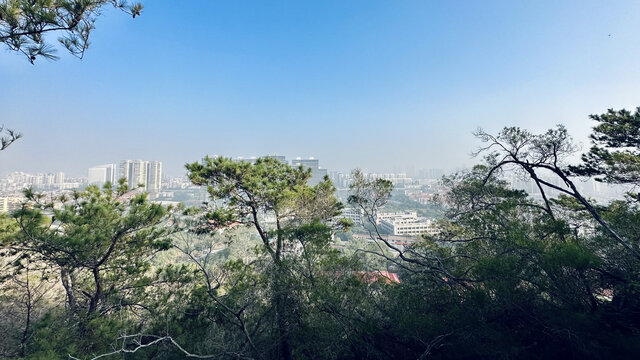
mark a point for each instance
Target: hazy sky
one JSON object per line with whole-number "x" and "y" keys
{"x": 370, "y": 84}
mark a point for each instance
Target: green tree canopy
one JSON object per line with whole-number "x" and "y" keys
{"x": 25, "y": 24}
{"x": 615, "y": 154}
{"x": 99, "y": 240}
{"x": 291, "y": 218}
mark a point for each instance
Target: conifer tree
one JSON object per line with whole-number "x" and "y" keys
{"x": 26, "y": 24}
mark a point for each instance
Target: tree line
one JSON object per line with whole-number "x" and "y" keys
{"x": 255, "y": 272}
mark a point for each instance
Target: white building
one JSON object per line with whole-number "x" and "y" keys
{"x": 154, "y": 176}
{"x": 317, "y": 173}
{"x": 59, "y": 179}
{"x": 406, "y": 223}
{"x": 99, "y": 175}
{"x": 10, "y": 203}
{"x": 354, "y": 214}
{"x": 396, "y": 215}
{"x": 141, "y": 173}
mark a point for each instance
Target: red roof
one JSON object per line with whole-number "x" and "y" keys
{"x": 373, "y": 276}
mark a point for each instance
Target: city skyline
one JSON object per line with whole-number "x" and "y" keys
{"x": 369, "y": 84}
{"x": 85, "y": 169}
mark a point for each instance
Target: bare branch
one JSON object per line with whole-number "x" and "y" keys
{"x": 133, "y": 343}
{"x": 10, "y": 138}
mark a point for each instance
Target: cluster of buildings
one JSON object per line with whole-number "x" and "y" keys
{"x": 404, "y": 223}
{"x": 17, "y": 181}
{"x": 142, "y": 174}
{"x": 148, "y": 176}
{"x": 399, "y": 179}
{"x": 12, "y": 186}
{"x": 317, "y": 173}
{"x": 342, "y": 180}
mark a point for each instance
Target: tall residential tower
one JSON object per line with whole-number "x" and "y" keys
{"x": 141, "y": 173}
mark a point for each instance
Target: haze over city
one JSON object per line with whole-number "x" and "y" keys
{"x": 379, "y": 85}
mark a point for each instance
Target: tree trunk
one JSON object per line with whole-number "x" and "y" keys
{"x": 97, "y": 296}
{"x": 280, "y": 301}
{"x": 68, "y": 282}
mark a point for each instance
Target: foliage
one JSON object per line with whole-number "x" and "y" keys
{"x": 255, "y": 274}
{"x": 615, "y": 154}
{"x": 25, "y": 24}
{"x": 97, "y": 244}
{"x": 294, "y": 222}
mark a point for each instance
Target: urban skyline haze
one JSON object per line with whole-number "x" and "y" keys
{"x": 380, "y": 85}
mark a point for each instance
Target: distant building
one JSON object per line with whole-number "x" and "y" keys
{"x": 317, "y": 174}
{"x": 307, "y": 163}
{"x": 395, "y": 178}
{"x": 59, "y": 179}
{"x": 251, "y": 159}
{"x": 135, "y": 172}
{"x": 396, "y": 215}
{"x": 101, "y": 174}
{"x": 431, "y": 173}
{"x": 10, "y": 203}
{"x": 353, "y": 214}
{"x": 154, "y": 176}
{"x": 280, "y": 158}
{"x": 340, "y": 180}
{"x": 406, "y": 223}
{"x": 141, "y": 173}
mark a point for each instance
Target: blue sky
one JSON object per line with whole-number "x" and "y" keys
{"x": 381, "y": 85}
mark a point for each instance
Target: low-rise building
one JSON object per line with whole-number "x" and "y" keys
{"x": 354, "y": 214}
{"x": 406, "y": 223}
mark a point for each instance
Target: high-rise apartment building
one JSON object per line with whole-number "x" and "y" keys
{"x": 135, "y": 172}
{"x": 101, "y": 174}
{"x": 154, "y": 176}
{"x": 141, "y": 173}
{"x": 59, "y": 179}
{"x": 125, "y": 170}
{"x": 306, "y": 163}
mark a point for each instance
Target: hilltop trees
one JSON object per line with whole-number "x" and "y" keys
{"x": 293, "y": 221}
{"x": 95, "y": 239}
{"x": 97, "y": 244}
{"x": 544, "y": 154}
{"x": 255, "y": 273}
{"x": 510, "y": 276}
{"x": 615, "y": 154}
{"x": 544, "y": 275}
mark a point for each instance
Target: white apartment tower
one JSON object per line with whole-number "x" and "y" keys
{"x": 141, "y": 173}
{"x": 58, "y": 179}
{"x": 154, "y": 176}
